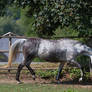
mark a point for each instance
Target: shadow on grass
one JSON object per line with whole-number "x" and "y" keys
{"x": 71, "y": 82}
{"x": 76, "y": 83}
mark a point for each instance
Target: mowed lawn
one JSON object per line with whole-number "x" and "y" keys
{"x": 44, "y": 88}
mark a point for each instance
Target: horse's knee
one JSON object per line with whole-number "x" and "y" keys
{"x": 20, "y": 66}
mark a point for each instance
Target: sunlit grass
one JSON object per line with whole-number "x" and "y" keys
{"x": 42, "y": 88}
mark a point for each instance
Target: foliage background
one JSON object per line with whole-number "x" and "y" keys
{"x": 48, "y": 18}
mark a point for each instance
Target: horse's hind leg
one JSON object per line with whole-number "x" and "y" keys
{"x": 30, "y": 69}
{"x": 59, "y": 71}
{"x": 18, "y": 72}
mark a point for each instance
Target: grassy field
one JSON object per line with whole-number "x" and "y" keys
{"x": 43, "y": 88}
{"x": 45, "y": 81}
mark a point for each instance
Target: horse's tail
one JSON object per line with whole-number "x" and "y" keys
{"x": 13, "y": 51}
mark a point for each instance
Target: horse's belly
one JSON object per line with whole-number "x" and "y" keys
{"x": 53, "y": 55}
{"x": 52, "y": 52}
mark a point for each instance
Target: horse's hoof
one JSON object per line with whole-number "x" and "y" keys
{"x": 19, "y": 82}
{"x": 80, "y": 80}
{"x": 9, "y": 70}
{"x": 58, "y": 82}
{"x": 33, "y": 77}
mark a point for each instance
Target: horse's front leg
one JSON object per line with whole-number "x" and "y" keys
{"x": 90, "y": 64}
{"x": 31, "y": 70}
{"x": 59, "y": 71}
{"x": 18, "y": 73}
{"x": 79, "y": 66}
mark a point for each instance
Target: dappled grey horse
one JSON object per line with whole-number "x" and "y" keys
{"x": 62, "y": 51}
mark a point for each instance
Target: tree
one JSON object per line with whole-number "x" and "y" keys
{"x": 7, "y": 24}
{"x": 51, "y": 14}
{"x": 3, "y": 6}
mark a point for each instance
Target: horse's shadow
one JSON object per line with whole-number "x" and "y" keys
{"x": 75, "y": 83}
{"x": 71, "y": 82}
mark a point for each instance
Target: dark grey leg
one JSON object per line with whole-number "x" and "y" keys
{"x": 31, "y": 70}
{"x": 90, "y": 67}
{"x": 59, "y": 70}
{"x": 18, "y": 72}
{"x": 91, "y": 63}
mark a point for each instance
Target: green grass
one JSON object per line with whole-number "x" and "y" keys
{"x": 42, "y": 88}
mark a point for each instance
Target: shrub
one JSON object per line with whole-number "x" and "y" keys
{"x": 46, "y": 73}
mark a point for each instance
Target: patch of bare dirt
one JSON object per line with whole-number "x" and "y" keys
{"x": 10, "y": 79}
{"x": 6, "y": 77}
